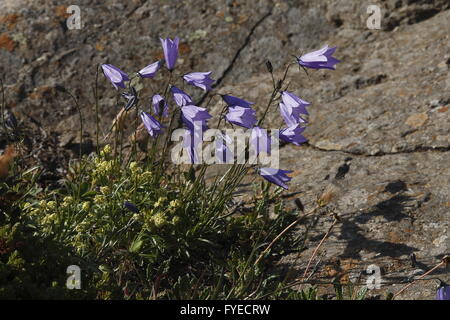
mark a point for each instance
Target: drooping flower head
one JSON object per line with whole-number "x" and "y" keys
{"x": 260, "y": 140}
{"x": 443, "y": 293}
{"x": 194, "y": 116}
{"x": 158, "y": 102}
{"x": 151, "y": 124}
{"x": 199, "y": 79}
{"x": 181, "y": 98}
{"x": 276, "y": 176}
{"x": 234, "y": 101}
{"x": 115, "y": 75}
{"x": 240, "y": 116}
{"x": 290, "y": 116}
{"x": 320, "y": 59}
{"x": 130, "y": 206}
{"x": 170, "y": 48}
{"x": 150, "y": 70}
{"x": 295, "y": 104}
{"x": 131, "y": 97}
{"x": 293, "y": 134}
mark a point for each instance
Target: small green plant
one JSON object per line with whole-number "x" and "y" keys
{"x": 176, "y": 241}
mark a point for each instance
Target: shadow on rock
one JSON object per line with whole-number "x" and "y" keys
{"x": 356, "y": 242}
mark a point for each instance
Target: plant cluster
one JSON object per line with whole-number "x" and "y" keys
{"x": 140, "y": 227}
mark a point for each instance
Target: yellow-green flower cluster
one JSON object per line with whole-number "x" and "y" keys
{"x": 27, "y": 206}
{"x": 50, "y": 218}
{"x": 51, "y": 205}
{"x": 145, "y": 177}
{"x": 67, "y": 201}
{"x": 135, "y": 169}
{"x": 105, "y": 190}
{"x": 137, "y": 217}
{"x": 106, "y": 151}
{"x": 29, "y": 209}
{"x": 176, "y": 220}
{"x": 155, "y": 221}
{"x": 100, "y": 199}
{"x": 174, "y": 205}
{"x": 163, "y": 214}
{"x": 103, "y": 167}
{"x": 86, "y": 206}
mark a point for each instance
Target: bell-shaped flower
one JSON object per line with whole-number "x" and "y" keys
{"x": 260, "y": 140}
{"x": 151, "y": 124}
{"x": 295, "y": 104}
{"x": 241, "y": 116}
{"x": 293, "y": 134}
{"x": 276, "y": 176}
{"x": 115, "y": 75}
{"x": 234, "y": 101}
{"x": 320, "y": 59}
{"x": 181, "y": 98}
{"x": 199, "y": 79}
{"x": 443, "y": 293}
{"x": 290, "y": 116}
{"x": 160, "y": 106}
{"x": 170, "y": 48}
{"x": 194, "y": 117}
{"x": 150, "y": 70}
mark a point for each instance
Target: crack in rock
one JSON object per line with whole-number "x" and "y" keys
{"x": 230, "y": 66}
{"x": 418, "y": 149}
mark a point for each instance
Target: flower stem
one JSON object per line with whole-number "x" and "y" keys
{"x": 443, "y": 262}
{"x": 318, "y": 247}
{"x": 289, "y": 227}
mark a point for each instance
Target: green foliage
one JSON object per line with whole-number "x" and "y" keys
{"x": 31, "y": 266}
{"x": 187, "y": 241}
{"x": 349, "y": 291}
{"x": 183, "y": 243}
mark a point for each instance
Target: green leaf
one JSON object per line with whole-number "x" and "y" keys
{"x": 136, "y": 245}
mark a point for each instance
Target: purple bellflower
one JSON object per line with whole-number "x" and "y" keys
{"x": 170, "y": 48}
{"x": 240, "y": 116}
{"x": 290, "y": 116}
{"x": 320, "y": 59}
{"x": 223, "y": 152}
{"x": 275, "y": 176}
{"x": 260, "y": 140}
{"x": 181, "y": 98}
{"x": 115, "y": 75}
{"x": 295, "y": 104}
{"x": 233, "y": 101}
{"x": 443, "y": 293}
{"x": 151, "y": 124}
{"x": 194, "y": 116}
{"x": 130, "y": 206}
{"x": 199, "y": 79}
{"x": 293, "y": 134}
{"x": 157, "y": 102}
{"x": 150, "y": 70}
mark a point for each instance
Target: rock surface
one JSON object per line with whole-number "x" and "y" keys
{"x": 386, "y": 106}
